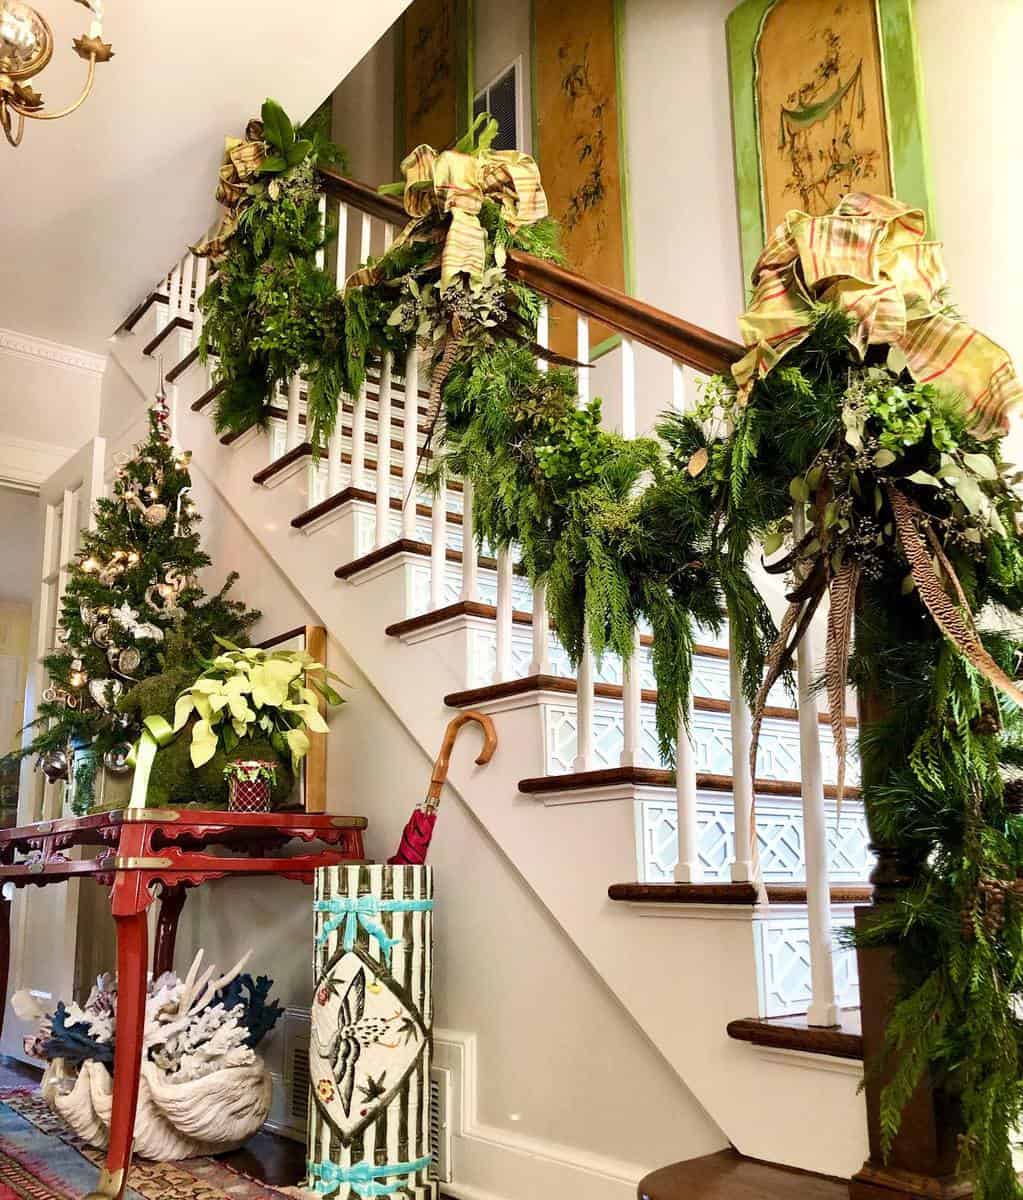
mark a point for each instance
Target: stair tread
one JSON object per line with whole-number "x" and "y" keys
{"x": 355, "y": 493}
{"x": 731, "y": 893}
{"x": 165, "y": 332}
{"x": 610, "y": 691}
{"x": 407, "y": 546}
{"x": 728, "y": 1176}
{"x": 137, "y": 313}
{"x": 793, "y": 1033}
{"x": 661, "y": 777}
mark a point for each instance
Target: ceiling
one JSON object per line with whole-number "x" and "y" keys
{"x": 97, "y": 205}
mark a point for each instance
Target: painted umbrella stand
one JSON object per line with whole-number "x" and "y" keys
{"x": 371, "y": 1034}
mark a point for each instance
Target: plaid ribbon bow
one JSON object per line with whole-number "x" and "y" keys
{"x": 871, "y": 258}
{"x": 242, "y": 159}
{"x": 456, "y": 183}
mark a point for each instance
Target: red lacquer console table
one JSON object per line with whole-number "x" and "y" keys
{"x": 142, "y": 851}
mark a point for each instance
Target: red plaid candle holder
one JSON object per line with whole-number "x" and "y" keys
{"x": 248, "y": 785}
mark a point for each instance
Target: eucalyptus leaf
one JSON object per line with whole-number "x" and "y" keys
{"x": 884, "y": 458}
{"x": 981, "y": 465}
{"x": 924, "y": 479}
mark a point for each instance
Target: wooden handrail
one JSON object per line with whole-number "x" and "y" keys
{"x": 653, "y": 327}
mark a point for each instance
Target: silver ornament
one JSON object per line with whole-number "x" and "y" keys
{"x": 105, "y": 691}
{"x": 89, "y": 617}
{"x": 116, "y": 759}
{"x": 54, "y": 765}
{"x": 101, "y": 635}
{"x": 113, "y": 653}
{"x": 155, "y": 514}
{"x": 128, "y": 662}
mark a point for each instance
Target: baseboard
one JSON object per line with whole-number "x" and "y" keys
{"x": 490, "y": 1163}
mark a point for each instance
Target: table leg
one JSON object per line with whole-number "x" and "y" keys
{"x": 132, "y": 960}
{"x": 5, "y": 952}
{"x": 172, "y": 900}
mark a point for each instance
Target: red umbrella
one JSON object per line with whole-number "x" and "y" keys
{"x": 415, "y": 838}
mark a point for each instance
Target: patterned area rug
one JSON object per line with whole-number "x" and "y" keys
{"x": 40, "y": 1159}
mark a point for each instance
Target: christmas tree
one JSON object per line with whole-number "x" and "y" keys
{"x": 132, "y": 584}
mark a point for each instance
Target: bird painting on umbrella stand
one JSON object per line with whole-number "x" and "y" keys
{"x": 356, "y": 1032}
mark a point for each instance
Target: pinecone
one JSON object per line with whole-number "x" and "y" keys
{"x": 987, "y": 721}
{"x": 1014, "y": 796}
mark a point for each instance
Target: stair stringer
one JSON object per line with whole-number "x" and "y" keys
{"x": 681, "y": 977}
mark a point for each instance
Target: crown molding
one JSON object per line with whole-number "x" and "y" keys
{"x": 24, "y": 345}
{"x": 24, "y": 464}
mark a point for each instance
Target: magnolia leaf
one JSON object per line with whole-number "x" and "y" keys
{"x": 798, "y": 490}
{"x": 981, "y": 465}
{"x": 773, "y": 542}
{"x": 884, "y": 458}
{"x": 968, "y": 490}
{"x": 299, "y": 153}
{"x": 698, "y": 461}
{"x": 273, "y": 165}
{"x": 278, "y": 130}
{"x": 924, "y": 479}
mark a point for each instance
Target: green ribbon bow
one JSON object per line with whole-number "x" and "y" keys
{"x": 157, "y": 731}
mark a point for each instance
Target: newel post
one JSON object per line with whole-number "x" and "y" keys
{"x": 922, "y": 1162}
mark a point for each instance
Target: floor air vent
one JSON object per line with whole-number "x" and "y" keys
{"x": 440, "y": 1123}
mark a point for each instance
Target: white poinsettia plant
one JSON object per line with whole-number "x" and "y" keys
{"x": 249, "y": 693}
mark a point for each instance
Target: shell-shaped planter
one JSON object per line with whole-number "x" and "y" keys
{"x": 204, "y": 1116}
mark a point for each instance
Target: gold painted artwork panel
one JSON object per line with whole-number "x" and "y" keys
{"x": 578, "y": 145}
{"x": 820, "y": 104}
{"x": 430, "y": 75}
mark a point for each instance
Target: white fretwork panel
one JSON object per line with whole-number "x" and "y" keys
{"x": 779, "y": 833}
{"x": 486, "y": 592}
{"x": 777, "y": 757}
{"x": 784, "y": 966}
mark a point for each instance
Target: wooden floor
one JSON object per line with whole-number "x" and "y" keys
{"x": 728, "y": 1176}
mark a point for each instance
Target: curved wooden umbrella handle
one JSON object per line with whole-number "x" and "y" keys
{"x": 440, "y": 767}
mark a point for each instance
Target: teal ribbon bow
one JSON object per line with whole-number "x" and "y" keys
{"x": 363, "y": 1177}
{"x": 359, "y": 911}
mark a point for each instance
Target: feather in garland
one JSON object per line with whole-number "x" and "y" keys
{"x": 843, "y": 588}
{"x": 956, "y": 625}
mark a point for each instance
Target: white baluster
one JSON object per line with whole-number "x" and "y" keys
{"x": 504, "y": 615}
{"x": 543, "y": 333}
{"x": 409, "y": 443}
{"x": 202, "y": 267}
{"x": 688, "y": 868}
{"x": 383, "y": 530}
{"x": 334, "y": 451}
{"x": 470, "y": 567}
{"x": 678, "y": 387}
{"x": 187, "y": 279}
{"x": 823, "y": 1005}
{"x": 628, "y": 388}
{"x": 632, "y": 698}
{"x": 439, "y": 545}
{"x": 744, "y": 866}
{"x": 321, "y": 254}
{"x": 388, "y": 236}
{"x": 582, "y": 354}
{"x": 365, "y": 238}
{"x": 541, "y": 660}
{"x": 359, "y": 438}
{"x": 341, "y": 268}
{"x": 174, "y": 293}
{"x": 293, "y": 432}
{"x": 584, "y": 698}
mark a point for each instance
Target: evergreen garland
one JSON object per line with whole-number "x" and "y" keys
{"x": 663, "y": 529}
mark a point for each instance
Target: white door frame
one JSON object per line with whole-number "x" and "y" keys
{"x": 47, "y": 918}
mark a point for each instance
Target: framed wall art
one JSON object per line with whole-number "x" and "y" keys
{"x": 579, "y": 143}
{"x": 311, "y": 786}
{"x": 826, "y": 99}
{"x": 433, "y": 75}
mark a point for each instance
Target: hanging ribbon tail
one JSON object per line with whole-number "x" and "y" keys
{"x": 795, "y": 623}
{"x": 156, "y": 732}
{"x": 957, "y": 625}
{"x": 843, "y": 589}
